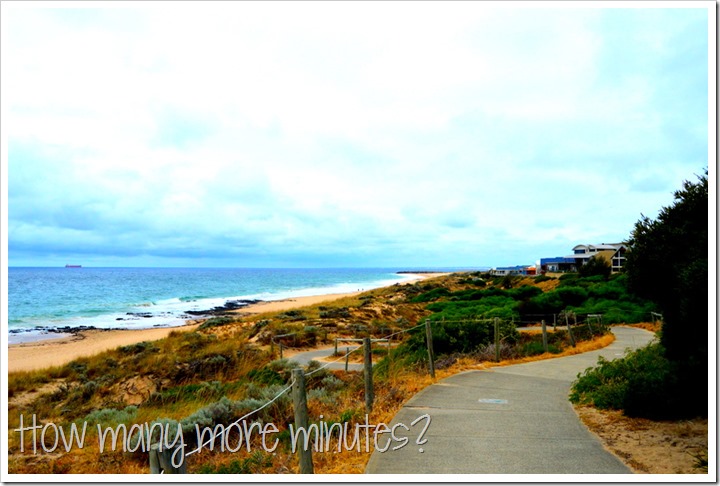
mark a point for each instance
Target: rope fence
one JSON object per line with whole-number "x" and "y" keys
{"x": 166, "y": 461}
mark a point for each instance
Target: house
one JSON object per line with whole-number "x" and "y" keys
{"x": 516, "y": 270}
{"x": 557, "y": 265}
{"x": 614, "y": 253}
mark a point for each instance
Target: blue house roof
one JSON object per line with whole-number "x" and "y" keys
{"x": 545, "y": 261}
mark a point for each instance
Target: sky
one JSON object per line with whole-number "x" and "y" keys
{"x": 344, "y": 134}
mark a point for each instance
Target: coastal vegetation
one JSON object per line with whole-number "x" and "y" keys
{"x": 230, "y": 366}
{"x": 667, "y": 265}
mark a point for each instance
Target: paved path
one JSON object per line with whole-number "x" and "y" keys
{"x": 506, "y": 420}
{"x": 325, "y": 354}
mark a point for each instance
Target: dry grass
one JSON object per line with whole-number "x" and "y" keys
{"x": 137, "y": 374}
{"x": 648, "y": 326}
{"x": 391, "y": 394}
{"x": 650, "y": 446}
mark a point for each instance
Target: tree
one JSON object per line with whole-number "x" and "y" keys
{"x": 596, "y": 265}
{"x": 667, "y": 264}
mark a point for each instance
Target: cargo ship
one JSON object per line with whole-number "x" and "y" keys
{"x": 73, "y": 266}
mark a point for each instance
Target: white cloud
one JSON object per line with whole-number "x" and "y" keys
{"x": 312, "y": 126}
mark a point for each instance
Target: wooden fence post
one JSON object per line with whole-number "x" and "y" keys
{"x": 347, "y": 357}
{"x": 161, "y": 462}
{"x": 567, "y": 323}
{"x": 497, "y": 339}
{"x": 544, "y": 334}
{"x": 431, "y": 351}
{"x": 369, "y": 396}
{"x": 301, "y": 420}
{"x": 336, "y": 339}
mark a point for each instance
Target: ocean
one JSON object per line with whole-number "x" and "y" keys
{"x": 45, "y": 301}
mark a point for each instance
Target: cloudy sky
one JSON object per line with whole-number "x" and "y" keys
{"x": 344, "y": 134}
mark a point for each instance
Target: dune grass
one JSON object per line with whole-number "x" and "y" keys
{"x": 218, "y": 373}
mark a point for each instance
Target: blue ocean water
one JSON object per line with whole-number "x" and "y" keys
{"x": 134, "y": 298}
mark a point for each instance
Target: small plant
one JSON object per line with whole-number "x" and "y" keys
{"x": 534, "y": 348}
{"x": 486, "y": 352}
{"x": 216, "y": 322}
{"x": 111, "y": 416}
{"x": 322, "y": 395}
{"x": 293, "y": 315}
{"x": 431, "y": 296}
{"x": 137, "y": 348}
{"x": 358, "y": 330}
{"x": 701, "y": 460}
{"x": 334, "y": 312}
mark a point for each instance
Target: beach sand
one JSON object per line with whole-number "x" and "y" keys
{"x": 56, "y": 352}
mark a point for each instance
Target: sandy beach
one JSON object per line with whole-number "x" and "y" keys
{"x": 55, "y": 352}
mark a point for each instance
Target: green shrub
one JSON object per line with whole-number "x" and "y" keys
{"x": 433, "y": 295}
{"x": 569, "y": 277}
{"x": 533, "y": 348}
{"x": 111, "y": 416}
{"x": 216, "y": 322}
{"x": 458, "y": 336}
{"x": 642, "y": 384}
{"x": 334, "y": 312}
{"x": 266, "y": 376}
{"x": 144, "y": 346}
{"x": 571, "y": 295}
{"x": 293, "y": 315}
{"x": 525, "y": 292}
{"x": 203, "y": 390}
{"x": 596, "y": 266}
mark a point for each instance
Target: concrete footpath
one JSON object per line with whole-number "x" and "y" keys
{"x": 507, "y": 420}
{"x": 324, "y": 355}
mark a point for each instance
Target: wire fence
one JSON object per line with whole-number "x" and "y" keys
{"x": 564, "y": 316}
{"x": 285, "y": 390}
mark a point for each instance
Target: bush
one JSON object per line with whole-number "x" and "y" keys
{"x": 216, "y": 322}
{"x": 334, "y": 312}
{"x": 508, "y": 281}
{"x": 308, "y": 336}
{"x": 596, "y": 266}
{"x": 642, "y": 384}
{"x": 525, "y": 292}
{"x": 534, "y": 348}
{"x": 433, "y": 295}
{"x": 205, "y": 389}
{"x": 571, "y": 296}
{"x": 266, "y": 376}
{"x": 144, "y": 346}
{"x": 486, "y": 352}
{"x": 111, "y": 416}
{"x": 459, "y": 336}
{"x": 293, "y": 315}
